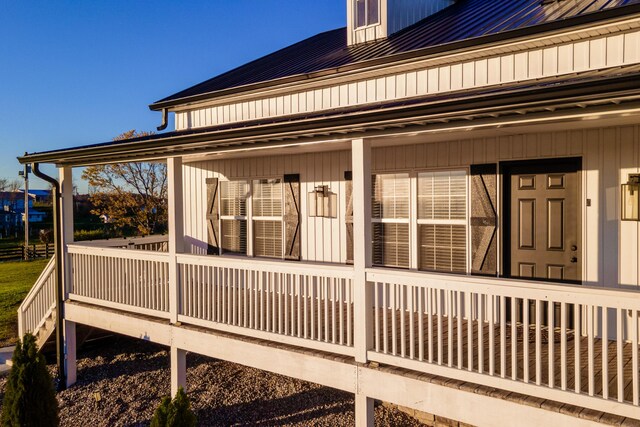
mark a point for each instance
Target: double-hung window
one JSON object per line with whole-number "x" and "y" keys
{"x": 367, "y": 12}
{"x": 267, "y": 217}
{"x": 390, "y": 220}
{"x": 233, "y": 216}
{"x": 442, "y": 221}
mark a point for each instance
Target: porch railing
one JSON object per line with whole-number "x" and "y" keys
{"x": 299, "y": 304}
{"x": 121, "y": 278}
{"x": 565, "y": 343}
{"x": 572, "y": 344}
{"x": 39, "y": 303}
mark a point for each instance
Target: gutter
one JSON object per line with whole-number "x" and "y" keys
{"x": 576, "y": 22}
{"x": 57, "y": 196}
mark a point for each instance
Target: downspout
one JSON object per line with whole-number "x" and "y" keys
{"x": 62, "y": 374}
{"x": 165, "y": 120}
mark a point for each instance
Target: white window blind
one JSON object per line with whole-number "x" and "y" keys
{"x": 442, "y": 221}
{"x": 267, "y": 218}
{"x": 390, "y": 218}
{"x": 233, "y": 215}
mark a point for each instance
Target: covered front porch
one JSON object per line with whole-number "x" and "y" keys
{"x": 367, "y": 287}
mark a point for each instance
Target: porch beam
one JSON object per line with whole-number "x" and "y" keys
{"x": 364, "y": 411}
{"x": 176, "y": 230}
{"x": 363, "y": 295}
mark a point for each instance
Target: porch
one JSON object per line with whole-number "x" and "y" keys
{"x": 456, "y": 328}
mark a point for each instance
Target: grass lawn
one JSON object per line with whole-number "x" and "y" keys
{"x": 16, "y": 279}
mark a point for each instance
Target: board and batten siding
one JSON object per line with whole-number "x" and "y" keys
{"x": 322, "y": 239}
{"x": 610, "y": 246}
{"x": 533, "y": 63}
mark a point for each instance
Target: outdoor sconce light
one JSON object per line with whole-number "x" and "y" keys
{"x": 631, "y": 198}
{"x": 322, "y": 202}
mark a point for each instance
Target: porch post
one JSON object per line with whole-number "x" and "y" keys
{"x": 70, "y": 347}
{"x": 363, "y": 294}
{"x": 364, "y": 411}
{"x": 178, "y": 370}
{"x": 66, "y": 220}
{"x": 176, "y": 232}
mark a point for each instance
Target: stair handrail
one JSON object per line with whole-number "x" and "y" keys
{"x": 33, "y": 293}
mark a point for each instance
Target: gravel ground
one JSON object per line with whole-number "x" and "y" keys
{"x": 121, "y": 381}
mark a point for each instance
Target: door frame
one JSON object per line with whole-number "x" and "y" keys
{"x": 562, "y": 164}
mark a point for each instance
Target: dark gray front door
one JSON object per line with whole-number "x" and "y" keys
{"x": 543, "y": 221}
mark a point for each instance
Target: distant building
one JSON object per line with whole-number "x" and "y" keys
{"x": 41, "y": 196}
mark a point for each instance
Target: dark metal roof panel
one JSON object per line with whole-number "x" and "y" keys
{"x": 466, "y": 19}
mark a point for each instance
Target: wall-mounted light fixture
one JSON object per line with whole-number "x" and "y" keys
{"x": 631, "y": 198}
{"x": 322, "y": 202}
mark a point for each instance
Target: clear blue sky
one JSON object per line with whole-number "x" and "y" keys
{"x": 80, "y": 72}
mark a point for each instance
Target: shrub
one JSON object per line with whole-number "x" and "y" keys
{"x": 81, "y": 235}
{"x": 29, "y": 399}
{"x": 174, "y": 413}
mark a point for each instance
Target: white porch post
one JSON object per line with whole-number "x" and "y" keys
{"x": 364, "y": 411}
{"x": 70, "y": 347}
{"x": 66, "y": 221}
{"x": 176, "y": 233}
{"x": 178, "y": 370}
{"x": 363, "y": 295}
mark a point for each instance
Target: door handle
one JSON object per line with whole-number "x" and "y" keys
{"x": 574, "y": 248}
{"x": 574, "y": 259}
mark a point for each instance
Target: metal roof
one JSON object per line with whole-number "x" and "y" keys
{"x": 470, "y": 21}
{"x": 615, "y": 86}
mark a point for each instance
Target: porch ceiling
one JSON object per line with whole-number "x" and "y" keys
{"x": 605, "y": 92}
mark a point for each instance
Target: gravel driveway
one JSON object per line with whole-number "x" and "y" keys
{"x": 121, "y": 381}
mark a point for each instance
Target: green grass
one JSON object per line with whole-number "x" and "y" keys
{"x": 16, "y": 279}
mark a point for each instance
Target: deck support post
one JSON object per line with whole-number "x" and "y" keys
{"x": 176, "y": 231}
{"x": 70, "y": 347}
{"x": 66, "y": 220}
{"x": 363, "y": 294}
{"x": 364, "y": 411}
{"x": 178, "y": 370}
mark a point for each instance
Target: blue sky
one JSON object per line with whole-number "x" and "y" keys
{"x": 80, "y": 72}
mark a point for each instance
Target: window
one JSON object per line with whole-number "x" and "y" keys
{"x": 366, "y": 12}
{"x": 267, "y": 218}
{"x": 442, "y": 221}
{"x": 390, "y": 218}
{"x": 233, "y": 216}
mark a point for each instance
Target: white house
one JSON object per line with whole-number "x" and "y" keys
{"x": 436, "y": 206}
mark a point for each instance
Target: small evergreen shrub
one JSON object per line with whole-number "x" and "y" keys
{"x": 174, "y": 413}
{"x": 30, "y": 399}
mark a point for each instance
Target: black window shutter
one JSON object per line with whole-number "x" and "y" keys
{"x": 292, "y": 216}
{"x": 484, "y": 196}
{"x": 213, "y": 223}
{"x": 348, "y": 190}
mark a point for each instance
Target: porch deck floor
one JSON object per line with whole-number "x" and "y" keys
{"x": 545, "y": 356}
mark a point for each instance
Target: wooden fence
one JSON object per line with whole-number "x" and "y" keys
{"x": 33, "y": 251}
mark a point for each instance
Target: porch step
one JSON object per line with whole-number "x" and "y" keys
{"x": 5, "y": 359}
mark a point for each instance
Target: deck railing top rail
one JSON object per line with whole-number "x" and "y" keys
{"x": 510, "y": 288}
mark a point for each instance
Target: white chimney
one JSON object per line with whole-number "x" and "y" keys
{"x": 370, "y": 20}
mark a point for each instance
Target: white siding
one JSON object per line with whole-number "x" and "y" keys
{"x": 321, "y": 239}
{"x": 610, "y": 247}
{"x": 532, "y": 63}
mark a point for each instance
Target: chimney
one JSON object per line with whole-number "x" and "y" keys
{"x": 370, "y": 20}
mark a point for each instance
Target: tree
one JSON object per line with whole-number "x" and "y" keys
{"x": 14, "y": 185}
{"x": 4, "y": 183}
{"x": 174, "y": 413}
{"x": 130, "y": 196}
{"x": 29, "y": 399}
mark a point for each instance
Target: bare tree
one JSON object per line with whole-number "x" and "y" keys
{"x": 14, "y": 185}
{"x": 130, "y": 195}
{"x": 4, "y": 183}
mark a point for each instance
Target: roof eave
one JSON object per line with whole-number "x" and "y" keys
{"x": 614, "y": 14}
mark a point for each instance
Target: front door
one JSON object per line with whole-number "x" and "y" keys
{"x": 542, "y": 221}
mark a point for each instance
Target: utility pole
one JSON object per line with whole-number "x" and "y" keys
{"x": 25, "y": 175}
